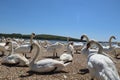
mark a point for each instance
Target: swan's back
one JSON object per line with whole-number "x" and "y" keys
{"x": 15, "y": 58}
{"x": 103, "y": 67}
{"x": 47, "y": 65}
{"x": 66, "y": 57}
{"x": 23, "y": 49}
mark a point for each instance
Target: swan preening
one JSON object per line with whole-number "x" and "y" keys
{"x": 101, "y": 66}
{"x": 45, "y": 65}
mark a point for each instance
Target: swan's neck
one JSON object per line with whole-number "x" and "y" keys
{"x": 87, "y": 39}
{"x": 68, "y": 39}
{"x": 100, "y": 50}
{"x": 110, "y": 42}
{"x": 37, "y": 53}
{"x": 12, "y": 50}
{"x": 70, "y": 49}
{"x": 31, "y": 39}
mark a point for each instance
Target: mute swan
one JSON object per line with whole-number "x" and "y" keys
{"x": 86, "y": 37}
{"x": 110, "y": 48}
{"x": 45, "y": 65}
{"x": 79, "y": 46}
{"x": 87, "y": 40}
{"x": 56, "y": 48}
{"x": 26, "y": 48}
{"x": 100, "y": 65}
{"x": 13, "y": 58}
{"x": 115, "y": 48}
{"x": 3, "y": 48}
{"x": 68, "y": 56}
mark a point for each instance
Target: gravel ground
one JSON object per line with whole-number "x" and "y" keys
{"x": 75, "y": 71}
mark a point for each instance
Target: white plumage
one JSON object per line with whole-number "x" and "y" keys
{"x": 100, "y": 65}
{"x": 45, "y": 65}
{"x": 15, "y": 58}
{"x": 56, "y": 48}
{"x": 68, "y": 55}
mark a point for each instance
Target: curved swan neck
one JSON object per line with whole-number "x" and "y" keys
{"x": 110, "y": 40}
{"x": 100, "y": 48}
{"x": 37, "y": 53}
{"x": 98, "y": 45}
{"x": 86, "y": 37}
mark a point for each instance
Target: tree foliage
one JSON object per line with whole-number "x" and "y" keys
{"x": 38, "y": 36}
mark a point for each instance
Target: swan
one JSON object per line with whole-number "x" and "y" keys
{"x": 84, "y": 37}
{"x": 78, "y": 46}
{"x": 56, "y": 48}
{"x": 87, "y": 40}
{"x": 68, "y": 55}
{"x": 15, "y": 58}
{"x": 116, "y": 49}
{"x": 100, "y": 65}
{"x": 109, "y": 48}
{"x": 4, "y": 48}
{"x": 26, "y": 48}
{"x": 45, "y": 65}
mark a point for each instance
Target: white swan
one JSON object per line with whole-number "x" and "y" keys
{"x": 100, "y": 65}
{"x": 56, "y": 48}
{"x": 13, "y": 58}
{"x": 45, "y": 65}
{"x": 87, "y": 40}
{"x": 68, "y": 55}
{"x": 4, "y": 48}
{"x": 109, "y": 48}
{"x": 116, "y": 49}
{"x": 84, "y": 37}
{"x": 26, "y": 48}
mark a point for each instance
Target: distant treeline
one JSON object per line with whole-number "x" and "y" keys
{"x": 38, "y": 36}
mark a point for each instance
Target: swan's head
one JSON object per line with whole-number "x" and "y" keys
{"x": 87, "y": 49}
{"x": 82, "y": 37}
{"x": 33, "y": 34}
{"x": 113, "y": 37}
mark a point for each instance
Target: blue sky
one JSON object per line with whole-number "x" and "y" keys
{"x": 99, "y": 19}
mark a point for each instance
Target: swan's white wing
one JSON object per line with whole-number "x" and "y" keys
{"x": 103, "y": 67}
{"x": 46, "y": 65}
{"x": 66, "y": 57}
{"x": 23, "y": 49}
